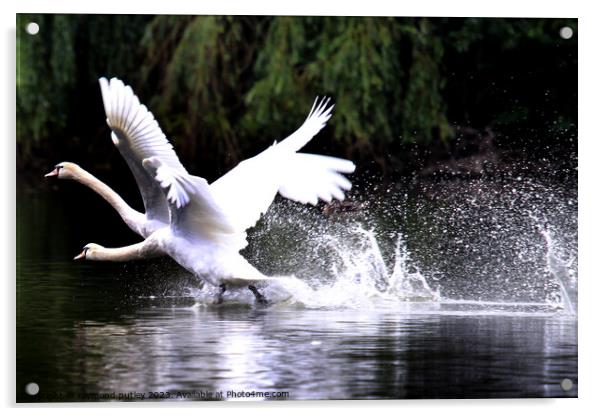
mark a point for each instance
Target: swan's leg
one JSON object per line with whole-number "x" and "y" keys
{"x": 220, "y": 295}
{"x": 260, "y": 298}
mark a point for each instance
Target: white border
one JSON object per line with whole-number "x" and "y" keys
{"x": 507, "y": 8}
{"x": 589, "y": 33}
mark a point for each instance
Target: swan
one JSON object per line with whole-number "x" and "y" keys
{"x": 138, "y": 222}
{"x": 132, "y": 125}
{"x": 206, "y": 226}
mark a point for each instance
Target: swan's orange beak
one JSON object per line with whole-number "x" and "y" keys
{"x": 55, "y": 172}
{"x": 80, "y": 256}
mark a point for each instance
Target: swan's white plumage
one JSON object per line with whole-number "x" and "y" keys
{"x": 315, "y": 121}
{"x": 309, "y": 178}
{"x": 133, "y": 123}
{"x": 137, "y": 135}
{"x": 194, "y": 212}
{"x": 248, "y": 190}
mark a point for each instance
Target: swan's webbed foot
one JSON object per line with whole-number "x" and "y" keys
{"x": 258, "y": 296}
{"x": 220, "y": 295}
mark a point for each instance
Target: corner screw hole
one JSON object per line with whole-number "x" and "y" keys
{"x": 32, "y": 28}
{"x": 32, "y": 389}
{"x": 566, "y": 384}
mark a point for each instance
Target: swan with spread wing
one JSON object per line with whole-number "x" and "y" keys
{"x": 203, "y": 226}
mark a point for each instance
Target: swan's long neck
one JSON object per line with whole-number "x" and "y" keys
{"x": 134, "y": 219}
{"x": 137, "y": 251}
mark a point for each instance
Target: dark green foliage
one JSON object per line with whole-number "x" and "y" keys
{"x": 224, "y": 87}
{"x": 203, "y": 67}
{"x": 59, "y": 111}
{"x": 45, "y": 77}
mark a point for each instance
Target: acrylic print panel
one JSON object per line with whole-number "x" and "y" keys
{"x": 447, "y": 270}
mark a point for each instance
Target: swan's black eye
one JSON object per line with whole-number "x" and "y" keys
{"x": 58, "y": 168}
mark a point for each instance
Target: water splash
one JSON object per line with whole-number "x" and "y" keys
{"x": 479, "y": 242}
{"x": 363, "y": 268}
{"x": 562, "y": 271}
{"x": 485, "y": 246}
{"x": 360, "y": 277}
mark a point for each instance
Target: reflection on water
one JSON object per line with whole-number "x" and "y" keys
{"x": 87, "y": 328}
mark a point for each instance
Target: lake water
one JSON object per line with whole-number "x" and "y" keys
{"x": 373, "y": 319}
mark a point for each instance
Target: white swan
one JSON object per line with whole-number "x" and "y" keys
{"x": 132, "y": 125}
{"x": 137, "y": 221}
{"x": 207, "y": 223}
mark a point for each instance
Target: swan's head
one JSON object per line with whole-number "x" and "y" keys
{"x": 89, "y": 252}
{"x": 64, "y": 170}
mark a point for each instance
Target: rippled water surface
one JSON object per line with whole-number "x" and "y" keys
{"x": 369, "y": 313}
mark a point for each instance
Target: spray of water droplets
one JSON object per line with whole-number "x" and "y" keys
{"x": 505, "y": 242}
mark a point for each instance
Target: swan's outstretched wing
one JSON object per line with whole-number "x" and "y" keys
{"x": 138, "y": 136}
{"x": 194, "y": 212}
{"x": 248, "y": 190}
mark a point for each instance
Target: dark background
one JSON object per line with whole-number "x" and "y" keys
{"x": 415, "y": 96}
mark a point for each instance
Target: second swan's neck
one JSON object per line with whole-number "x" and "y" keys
{"x": 134, "y": 219}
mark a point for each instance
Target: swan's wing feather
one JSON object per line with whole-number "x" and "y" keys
{"x": 194, "y": 211}
{"x": 319, "y": 114}
{"x": 137, "y": 135}
{"x": 248, "y": 190}
{"x": 309, "y": 178}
